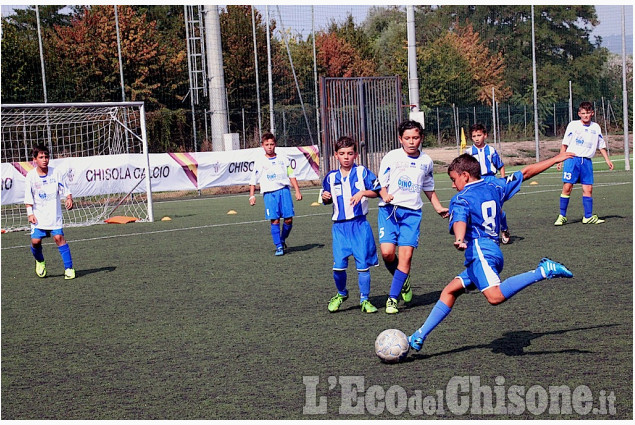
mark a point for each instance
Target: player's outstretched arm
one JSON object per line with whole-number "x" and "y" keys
{"x": 537, "y": 168}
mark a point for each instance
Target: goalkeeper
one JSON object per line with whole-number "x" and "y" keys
{"x": 475, "y": 222}
{"x": 43, "y": 188}
{"x": 275, "y": 175}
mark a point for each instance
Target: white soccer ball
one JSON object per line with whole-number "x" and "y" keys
{"x": 391, "y": 346}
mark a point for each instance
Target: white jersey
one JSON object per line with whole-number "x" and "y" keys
{"x": 43, "y": 192}
{"x": 405, "y": 177}
{"x": 583, "y": 140}
{"x": 272, "y": 173}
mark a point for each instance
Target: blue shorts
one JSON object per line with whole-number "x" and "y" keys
{"x": 399, "y": 225}
{"x": 40, "y": 234}
{"x": 483, "y": 269}
{"x": 577, "y": 170}
{"x": 354, "y": 237}
{"x": 278, "y": 204}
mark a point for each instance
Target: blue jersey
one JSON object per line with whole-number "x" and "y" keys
{"x": 489, "y": 159}
{"x": 480, "y": 205}
{"x": 342, "y": 190}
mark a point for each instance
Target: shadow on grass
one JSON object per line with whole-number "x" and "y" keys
{"x": 514, "y": 344}
{"x": 306, "y": 247}
{"x": 379, "y": 301}
{"x": 604, "y": 217}
{"x": 84, "y": 272}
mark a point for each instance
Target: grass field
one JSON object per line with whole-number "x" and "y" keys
{"x": 195, "y": 318}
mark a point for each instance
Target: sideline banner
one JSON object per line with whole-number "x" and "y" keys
{"x": 98, "y": 175}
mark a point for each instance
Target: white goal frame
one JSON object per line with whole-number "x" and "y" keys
{"x": 72, "y": 131}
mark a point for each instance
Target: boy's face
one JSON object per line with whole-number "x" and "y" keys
{"x": 346, "y": 157}
{"x": 585, "y": 115}
{"x": 410, "y": 141}
{"x": 269, "y": 146}
{"x": 42, "y": 160}
{"x": 459, "y": 180}
{"x": 478, "y": 138}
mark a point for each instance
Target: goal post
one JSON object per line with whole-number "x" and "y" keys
{"x": 101, "y": 148}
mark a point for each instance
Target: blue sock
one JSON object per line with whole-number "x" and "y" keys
{"x": 37, "y": 253}
{"x": 392, "y": 266}
{"x": 275, "y": 234}
{"x": 65, "y": 252}
{"x": 340, "y": 281}
{"x": 503, "y": 220}
{"x": 439, "y": 312}
{"x": 363, "y": 279}
{"x": 564, "y": 204}
{"x": 286, "y": 229}
{"x": 398, "y": 279}
{"x": 587, "y": 203}
{"x": 514, "y": 284}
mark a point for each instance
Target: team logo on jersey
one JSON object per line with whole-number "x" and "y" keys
{"x": 271, "y": 176}
{"x": 70, "y": 175}
{"x": 406, "y": 184}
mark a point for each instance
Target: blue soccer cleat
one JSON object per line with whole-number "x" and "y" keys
{"x": 415, "y": 341}
{"x": 279, "y": 251}
{"x": 553, "y": 269}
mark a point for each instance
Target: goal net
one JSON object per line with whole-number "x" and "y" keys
{"x": 100, "y": 147}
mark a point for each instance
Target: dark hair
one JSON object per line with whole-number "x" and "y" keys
{"x": 466, "y": 162}
{"x": 478, "y": 127}
{"x": 268, "y": 136}
{"x": 410, "y": 125}
{"x": 586, "y": 105}
{"x": 39, "y": 148}
{"x": 345, "y": 142}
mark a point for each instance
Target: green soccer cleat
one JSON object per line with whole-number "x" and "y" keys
{"x": 367, "y": 307}
{"x": 594, "y": 219}
{"x": 69, "y": 274}
{"x": 40, "y": 268}
{"x": 560, "y": 221}
{"x": 336, "y": 302}
{"x": 406, "y": 291}
{"x": 391, "y": 306}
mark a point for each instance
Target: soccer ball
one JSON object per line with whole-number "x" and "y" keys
{"x": 392, "y": 346}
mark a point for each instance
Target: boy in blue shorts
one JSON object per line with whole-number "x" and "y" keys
{"x": 275, "y": 175}
{"x": 403, "y": 174}
{"x": 348, "y": 189}
{"x": 490, "y": 163}
{"x": 582, "y": 137}
{"x": 42, "y": 198}
{"x": 475, "y": 223}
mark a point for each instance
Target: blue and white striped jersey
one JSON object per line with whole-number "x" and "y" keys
{"x": 489, "y": 159}
{"x": 342, "y": 190}
{"x": 480, "y": 204}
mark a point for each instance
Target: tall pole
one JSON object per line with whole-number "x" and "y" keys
{"x": 413, "y": 80}
{"x": 315, "y": 79}
{"x": 253, "y": 28}
{"x": 187, "y": 18}
{"x": 39, "y": 38}
{"x": 494, "y": 114}
{"x": 627, "y": 161}
{"x": 533, "y": 67}
{"x": 123, "y": 92}
{"x": 272, "y": 123}
{"x": 217, "y": 93}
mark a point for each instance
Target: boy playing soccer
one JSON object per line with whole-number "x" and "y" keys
{"x": 475, "y": 223}
{"x": 43, "y": 188}
{"x": 348, "y": 189}
{"x": 403, "y": 174}
{"x": 582, "y": 137}
{"x": 490, "y": 162}
{"x": 275, "y": 174}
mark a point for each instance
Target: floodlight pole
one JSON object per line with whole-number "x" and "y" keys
{"x": 627, "y": 161}
{"x": 413, "y": 80}
{"x": 533, "y": 67}
{"x": 272, "y": 124}
{"x": 253, "y": 27}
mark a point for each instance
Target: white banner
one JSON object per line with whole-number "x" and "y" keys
{"x": 98, "y": 175}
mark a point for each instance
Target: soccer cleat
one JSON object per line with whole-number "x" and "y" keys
{"x": 406, "y": 290}
{"x": 416, "y": 343}
{"x": 553, "y": 269}
{"x": 594, "y": 219}
{"x": 69, "y": 274}
{"x": 336, "y": 301}
{"x": 391, "y": 306}
{"x": 40, "y": 268}
{"x": 367, "y": 307}
{"x": 505, "y": 237}
{"x": 279, "y": 251}
{"x": 560, "y": 221}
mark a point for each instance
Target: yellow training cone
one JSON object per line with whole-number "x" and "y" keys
{"x": 314, "y": 204}
{"x": 166, "y": 218}
{"x": 534, "y": 182}
{"x": 231, "y": 212}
